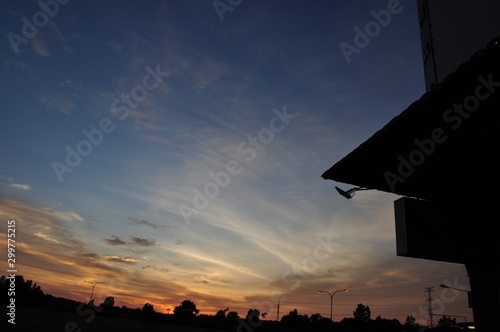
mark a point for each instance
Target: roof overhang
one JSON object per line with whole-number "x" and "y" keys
{"x": 443, "y": 145}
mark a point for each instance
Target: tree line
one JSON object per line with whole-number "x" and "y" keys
{"x": 29, "y": 294}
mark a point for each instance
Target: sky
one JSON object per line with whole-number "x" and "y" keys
{"x": 174, "y": 150}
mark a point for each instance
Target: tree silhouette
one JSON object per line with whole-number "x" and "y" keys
{"x": 232, "y": 317}
{"x": 315, "y": 318}
{"x": 386, "y": 325}
{"x": 362, "y": 313}
{"x": 108, "y": 304}
{"x": 148, "y": 314}
{"x": 221, "y": 315}
{"x": 294, "y": 320}
{"x": 447, "y": 322}
{"x": 411, "y": 323}
{"x": 410, "y": 320}
{"x": 109, "y": 301}
{"x": 24, "y": 288}
{"x": 187, "y": 310}
{"x": 253, "y": 315}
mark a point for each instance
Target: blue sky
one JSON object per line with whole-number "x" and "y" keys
{"x": 199, "y": 173}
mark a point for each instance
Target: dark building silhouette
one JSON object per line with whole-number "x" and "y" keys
{"x": 440, "y": 154}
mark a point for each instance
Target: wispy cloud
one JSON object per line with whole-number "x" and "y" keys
{"x": 25, "y": 187}
{"x": 123, "y": 260}
{"x": 90, "y": 255}
{"x": 159, "y": 139}
{"x": 143, "y": 242}
{"x": 47, "y": 238}
{"x": 58, "y": 101}
{"x": 40, "y": 47}
{"x": 60, "y": 36}
{"x": 163, "y": 270}
{"x": 153, "y": 225}
{"x": 115, "y": 241}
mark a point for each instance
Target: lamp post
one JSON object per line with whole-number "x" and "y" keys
{"x": 93, "y": 286}
{"x": 331, "y": 299}
{"x": 444, "y": 286}
{"x": 469, "y": 294}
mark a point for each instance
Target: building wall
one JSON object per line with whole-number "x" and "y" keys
{"x": 452, "y": 31}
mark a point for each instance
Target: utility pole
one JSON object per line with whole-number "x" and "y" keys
{"x": 278, "y": 312}
{"x": 430, "y": 317}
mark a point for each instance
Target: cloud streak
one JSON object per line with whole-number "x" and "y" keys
{"x": 153, "y": 225}
{"x": 143, "y": 242}
{"x": 115, "y": 241}
{"x": 25, "y": 187}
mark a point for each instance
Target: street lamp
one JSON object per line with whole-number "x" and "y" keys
{"x": 444, "y": 286}
{"x": 331, "y": 299}
{"x": 350, "y": 193}
{"x": 93, "y": 285}
{"x": 469, "y": 294}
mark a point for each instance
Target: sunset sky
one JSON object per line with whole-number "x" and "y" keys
{"x": 173, "y": 149}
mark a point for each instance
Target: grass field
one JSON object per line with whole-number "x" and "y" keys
{"x": 39, "y": 320}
